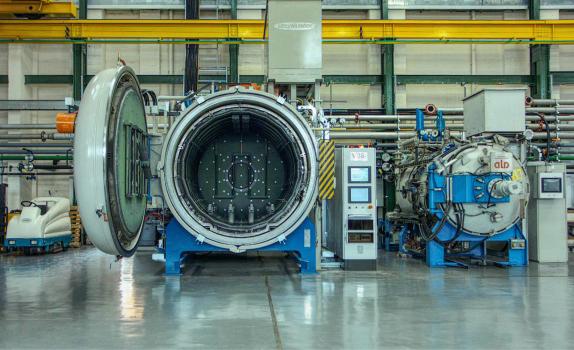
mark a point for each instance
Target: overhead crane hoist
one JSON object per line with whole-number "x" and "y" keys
{"x": 34, "y": 9}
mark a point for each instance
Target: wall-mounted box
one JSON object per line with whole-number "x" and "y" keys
{"x": 495, "y": 111}
{"x": 295, "y": 41}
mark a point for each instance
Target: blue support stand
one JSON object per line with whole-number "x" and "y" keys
{"x": 301, "y": 242}
{"x": 435, "y": 252}
{"x": 387, "y": 229}
{"x": 436, "y": 256}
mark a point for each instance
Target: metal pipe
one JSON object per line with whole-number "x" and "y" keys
{"x": 449, "y": 111}
{"x": 389, "y": 118}
{"x": 450, "y": 126}
{"x": 555, "y": 144}
{"x": 560, "y": 127}
{"x": 171, "y": 98}
{"x": 21, "y": 136}
{"x": 381, "y": 135}
{"x": 550, "y": 110}
{"x": 21, "y": 151}
{"x": 389, "y": 135}
{"x": 36, "y": 145}
{"x": 40, "y": 136}
{"x": 27, "y": 126}
{"x": 460, "y": 117}
{"x": 34, "y": 105}
{"x": 36, "y": 174}
{"x": 38, "y": 157}
{"x": 52, "y": 167}
{"x": 460, "y": 110}
{"x": 548, "y": 102}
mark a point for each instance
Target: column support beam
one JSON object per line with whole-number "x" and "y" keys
{"x": 234, "y": 51}
{"x": 79, "y": 64}
{"x": 539, "y": 60}
{"x": 387, "y": 68}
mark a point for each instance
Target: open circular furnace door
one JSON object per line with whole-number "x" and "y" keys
{"x": 110, "y": 161}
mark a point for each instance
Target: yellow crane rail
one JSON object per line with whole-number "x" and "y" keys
{"x": 251, "y": 31}
{"x": 37, "y": 8}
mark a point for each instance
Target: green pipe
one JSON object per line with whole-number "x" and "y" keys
{"x": 36, "y": 157}
{"x": 561, "y": 157}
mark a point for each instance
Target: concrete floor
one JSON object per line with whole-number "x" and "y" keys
{"x": 83, "y": 299}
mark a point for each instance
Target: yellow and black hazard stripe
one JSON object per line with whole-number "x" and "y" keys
{"x": 326, "y": 169}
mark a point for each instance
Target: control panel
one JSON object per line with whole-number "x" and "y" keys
{"x": 550, "y": 185}
{"x": 352, "y": 229}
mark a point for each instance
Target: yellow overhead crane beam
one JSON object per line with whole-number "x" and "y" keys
{"x": 252, "y": 31}
{"x": 38, "y": 8}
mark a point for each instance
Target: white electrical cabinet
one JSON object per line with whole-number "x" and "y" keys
{"x": 352, "y": 213}
{"x": 547, "y": 235}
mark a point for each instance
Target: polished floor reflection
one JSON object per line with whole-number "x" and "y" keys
{"x": 84, "y": 299}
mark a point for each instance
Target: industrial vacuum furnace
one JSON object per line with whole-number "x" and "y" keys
{"x": 238, "y": 171}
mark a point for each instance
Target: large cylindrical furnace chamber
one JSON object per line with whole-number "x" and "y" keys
{"x": 239, "y": 169}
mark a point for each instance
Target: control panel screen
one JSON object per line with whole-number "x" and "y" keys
{"x": 552, "y": 185}
{"x": 359, "y": 174}
{"x": 359, "y": 194}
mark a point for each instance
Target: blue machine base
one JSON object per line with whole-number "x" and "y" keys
{"x": 179, "y": 241}
{"x": 37, "y": 242}
{"x": 386, "y": 228}
{"x": 435, "y": 253}
{"x": 436, "y": 256}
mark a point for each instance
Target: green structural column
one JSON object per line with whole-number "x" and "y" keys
{"x": 234, "y": 51}
{"x": 539, "y": 60}
{"x": 387, "y": 67}
{"x": 534, "y": 9}
{"x": 540, "y": 70}
{"x": 79, "y": 57}
{"x": 388, "y": 90}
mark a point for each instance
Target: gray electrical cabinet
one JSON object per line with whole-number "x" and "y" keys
{"x": 295, "y": 41}
{"x": 352, "y": 212}
{"x": 547, "y": 230}
{"x": 494, "y": 111}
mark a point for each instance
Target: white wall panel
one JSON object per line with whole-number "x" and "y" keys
{"x": 252, "y": 58}
{"x": 441, "y": 95}
{"x": 566, "y": 52}
{"x": 351, "y": 96}
{"x": 53, "y": 59}
{"x": 4, "y": 61}
{"x": 567, "y": 92}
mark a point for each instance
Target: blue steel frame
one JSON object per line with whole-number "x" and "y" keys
{"x": 436, "y": 257}
{"x": 179, "y": 241}
{"x": 40, "y": 242}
